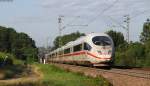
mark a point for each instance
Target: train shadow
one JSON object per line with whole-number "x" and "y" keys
{"x": 104, "y": 67}
{"x": 117, "y": 67}
{"x": 125, "y": 67}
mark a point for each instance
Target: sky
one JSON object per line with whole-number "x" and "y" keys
{"x": 39, "y": 18}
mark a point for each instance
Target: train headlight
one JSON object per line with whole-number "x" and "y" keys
{"x": 100, "y": 52}
{"x": 110, "y": 52}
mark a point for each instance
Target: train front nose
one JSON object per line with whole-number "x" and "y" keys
{"x": 105, "y": 53}
{"x": 103, "y": 48}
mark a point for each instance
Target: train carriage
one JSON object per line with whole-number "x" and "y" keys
{"x": 95, "y": 49}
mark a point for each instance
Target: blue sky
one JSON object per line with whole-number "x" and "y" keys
{"x": 38, "y": 18}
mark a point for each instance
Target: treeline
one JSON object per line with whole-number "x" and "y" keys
{"x": 62, "y": 40}
{"x": 136, "y": 54}
{"x": 18, "y": 44}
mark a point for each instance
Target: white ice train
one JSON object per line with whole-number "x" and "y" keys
{"x": 96, "y": 49}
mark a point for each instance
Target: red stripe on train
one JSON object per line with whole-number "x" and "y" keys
{"x": 82, "y": 53}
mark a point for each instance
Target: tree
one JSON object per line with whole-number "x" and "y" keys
{"x": 117, "y": 37}
{"x": 145, "y": 39}
{"x": 147, "y": 53}
{"x": 67, "y": 38}
{"x": 19, "y": 44}
{"x": 132, "y": 56}
{"x": 145, "y": 35}
{"x": 4, "y": 38}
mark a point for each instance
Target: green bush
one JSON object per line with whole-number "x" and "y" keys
{"x": 6, "y": 58}
{"x": 9, "y": 74}
{"x": 118, "y": 58}
{"x": 133, "y": 56}
{"x": 9, "y": 59}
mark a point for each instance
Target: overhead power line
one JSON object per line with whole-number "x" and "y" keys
{"x": 102, "y": 12}
{"x": 128, "y": 18}
{"x": 93, "y": 19}
{"x": 72, "y": 20}
{"x": 127, "y": 21}
{"x": 140, "y": 13}
{"x": 131, "y": 17}
{"x": 61, "y": 27}
{"x": 70, "y": 24}
{"x": 118, "y": 23}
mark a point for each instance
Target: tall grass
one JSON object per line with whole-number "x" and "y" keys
{"x": 9, "y": 59}
{"x": 54, "y": 76}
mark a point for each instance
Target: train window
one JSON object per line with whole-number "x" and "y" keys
{"x": 50, "y": 56}
{"x": 60, "y": 52}
{"x": 67, "y": 51}
{"x": 77, "y": 48}
{"x": 87, "y": 47}
{"x": 53, "y": 55}
{"x": 101, "y": 40}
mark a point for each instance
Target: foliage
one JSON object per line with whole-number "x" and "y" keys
{"x": 10, "y": 67}
{"x": 117, "y": 37}
{"x": 147, "y": 53}
{"x": 137, "y": 49}
{"x": 6, "y": 59}
{"x": 147, "y": 47}
{"x": 119, "y": 58}
{"x": 122, "y": 47}
{"x": 17, "y": 44}
{"x": 13, "y": 71}
{"x": 66, "y": 38}
{"x": 145, "y": 35}
{"x": 52, "y": 76}
{"x": 132, "y": 56}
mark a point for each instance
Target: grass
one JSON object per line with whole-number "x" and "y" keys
{"x": 25, "y": 79}
{"x": 13, "y": 71}
{"x": 10, "y": 67}
{"x": 54, "y": 76}
{"x": 49, "y": 75}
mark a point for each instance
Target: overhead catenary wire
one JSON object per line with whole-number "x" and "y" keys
{"x": 69, "y": 24}
{"x": 132, "y": 17}
{"x": 93, "y": 19}
{"x": 127, "y": 21}
{"x": 102, "y": 12}
{"x": 140, "y": 13}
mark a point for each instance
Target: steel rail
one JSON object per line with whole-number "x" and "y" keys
{"x": 128, "y": 72}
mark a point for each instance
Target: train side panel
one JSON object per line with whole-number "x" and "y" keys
{"x": 93, "y": 49}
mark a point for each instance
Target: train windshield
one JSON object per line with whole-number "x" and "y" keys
{"x": 101, "y": 41}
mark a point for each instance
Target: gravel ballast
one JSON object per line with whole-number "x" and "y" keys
{"x": 113, "y": 78}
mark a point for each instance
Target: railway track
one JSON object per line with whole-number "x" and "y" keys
{"x": 117, "y": 77}
{"x": 129, "y": 72}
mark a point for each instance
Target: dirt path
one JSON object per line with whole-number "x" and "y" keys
{"x": 36, "y": 76}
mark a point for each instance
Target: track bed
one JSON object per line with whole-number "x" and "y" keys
{"x": 118, "y": 77}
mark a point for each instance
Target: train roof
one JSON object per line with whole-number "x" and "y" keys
{"x": 79, "y": 41}
{"x": 82, "y": 39}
